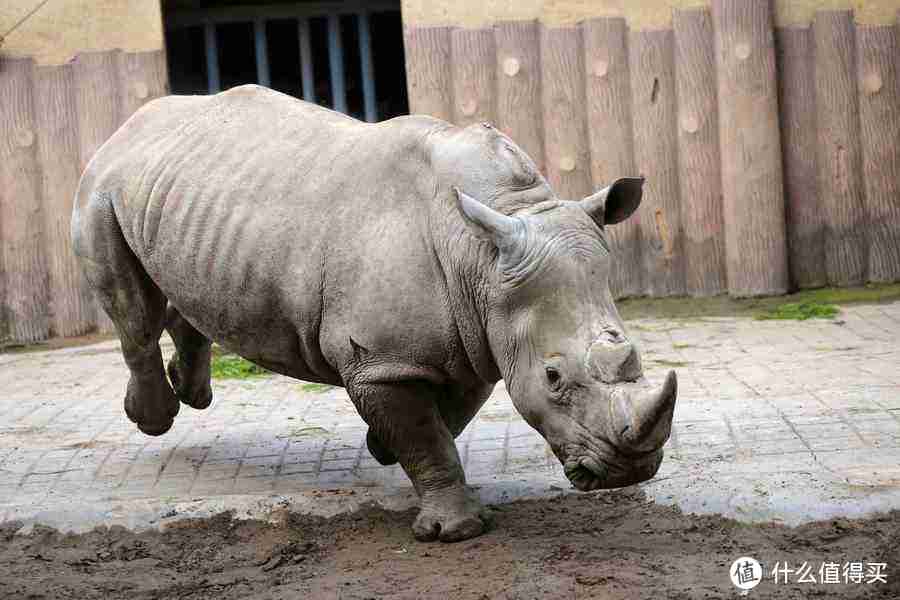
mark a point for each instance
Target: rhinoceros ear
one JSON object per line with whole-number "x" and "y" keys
{"x": 615, "y": 203}
{"x": 485, "y": 222}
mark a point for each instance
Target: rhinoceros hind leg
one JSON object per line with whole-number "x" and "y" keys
{"x": 378, "y": 451}
{"x": 189, "y": 367}
{"x": 404, "y": 420}
{"x": 136, "y": 306}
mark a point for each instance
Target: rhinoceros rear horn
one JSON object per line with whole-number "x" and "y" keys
{"x": 615, "y": 203}
{"x": 485, "y": 222}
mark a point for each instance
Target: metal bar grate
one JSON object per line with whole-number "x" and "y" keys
{"x": 212, "y": 59}
{"x": 336, "y": 64}
{"x": 262, "y": 53}
{"x": 259, "y": 16}
{"x": 368, "y": 72}
{"x": 306, "y": 61}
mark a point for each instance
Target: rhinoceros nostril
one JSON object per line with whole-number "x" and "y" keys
{"x": 614, "y": 336}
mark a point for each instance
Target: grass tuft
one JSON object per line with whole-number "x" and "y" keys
{"x": 315, "y": 388}
{"x": 231, "y": 366}
{"x": 799, "y": 311}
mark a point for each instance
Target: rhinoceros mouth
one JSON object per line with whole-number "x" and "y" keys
{"x": 589, "y": 473}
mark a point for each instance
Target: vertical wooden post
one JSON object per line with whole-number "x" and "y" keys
{"x": 566, "y": 153}
{"x": 97, "y": 104}
{"x": 142, "y": 77}
{"x": 752, "y": 187}
{"x": 428, "y": 77}
{"x": 21, "y": 222}
{"x": 699, "y": 163}
{"x": 655, "y": 147}
{"x": 473, "y": 72}
{"x": 878, "y": 52}
{"x": 519, "y": 86}
{"x": 71, "y": 303}
{"x": 797, "y": 102}
{"x": 839, "y": 154}
{"x": 608, "y": 104}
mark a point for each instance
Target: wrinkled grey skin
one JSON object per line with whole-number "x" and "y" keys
{"x": 412, "y": 262}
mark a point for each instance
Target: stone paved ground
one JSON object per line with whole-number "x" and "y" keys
{"x": 779, "y": 420}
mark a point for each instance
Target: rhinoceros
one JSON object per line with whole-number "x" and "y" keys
{"x": 413, "y": 262}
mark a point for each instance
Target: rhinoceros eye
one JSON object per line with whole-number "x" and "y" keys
{"x": 553, "y": 377}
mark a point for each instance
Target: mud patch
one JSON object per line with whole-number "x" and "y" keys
{"x": 611, "y": 545}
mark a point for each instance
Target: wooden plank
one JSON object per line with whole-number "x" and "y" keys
{"x": 608, "y": 104}
{"x": 699, "y": 163}
{"x": 519, "y": 86}
{"x": 473, "y": 73}
{"x": 839, "y": 153}
{"x": 749, "y": 141}
{"x": 428, "y": 71}
{"x": 72, "y": 309}
{"x": 142, "y": 78}
{"x": 652, "y": 69}
{"x": 21, "y": 220}
{"x": 805, "y": 219}
{"x": 566, "y": 153}
{"x": 878, "y": 52}
{"x": 97, "y": 104}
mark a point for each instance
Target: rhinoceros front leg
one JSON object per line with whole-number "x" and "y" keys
{"x": 405, "y": 419}
{"x": 457, "y": 406}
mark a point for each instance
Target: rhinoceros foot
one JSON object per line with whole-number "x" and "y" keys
{"x": 378, "y": 451}
{"x": 191, "y": 384}
{"x": 151, "y": 404}
{"x": 451, "y": 516}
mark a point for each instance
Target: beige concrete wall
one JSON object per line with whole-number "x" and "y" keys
{"x": 641, "y": 14}
{"x": 63, "y": 28}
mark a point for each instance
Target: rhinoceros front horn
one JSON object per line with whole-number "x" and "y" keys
{"x": 642, "y": 420}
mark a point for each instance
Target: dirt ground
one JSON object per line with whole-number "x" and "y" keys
{"x": 609, "y": 545}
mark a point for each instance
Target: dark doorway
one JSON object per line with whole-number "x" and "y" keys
{"x": 344, "y": 55}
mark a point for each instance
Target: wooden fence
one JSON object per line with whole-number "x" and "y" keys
{"x": 772, "y": 154}
{"x": 52, "y": 120}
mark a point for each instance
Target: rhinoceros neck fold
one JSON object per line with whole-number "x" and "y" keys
{"x": 463, "y": 261}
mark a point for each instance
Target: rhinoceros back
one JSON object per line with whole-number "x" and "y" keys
{"x": 232, "y": 204}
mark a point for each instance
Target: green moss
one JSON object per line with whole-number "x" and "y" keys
{"x": 799, "y": 311}
{"x": 305, "y": 432}
{"x": 231, "y": 366}
{"x": 315, "y": 388}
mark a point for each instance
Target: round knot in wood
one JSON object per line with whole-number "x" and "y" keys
{"x": 511, "y": 67}
{"x": 24, "y": 137}
{"x": 872, "y": 83}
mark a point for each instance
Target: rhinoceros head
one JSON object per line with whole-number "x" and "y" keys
{"x": 569, "y": 366}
